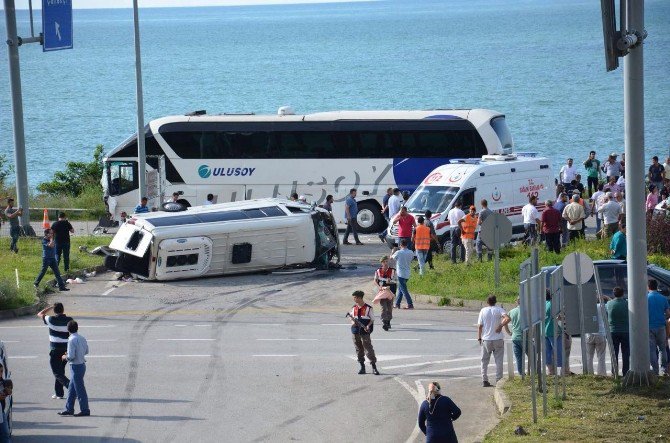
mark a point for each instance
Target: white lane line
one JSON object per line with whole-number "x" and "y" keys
{"x": 106, "y": 356}
{"x": 419, "y": 396}
{"x": 440, "y": 371}
{"x": 109, "y": 291}
{"x": 287, "y": 339}
{"x": 181, "y": 326}
{"x": 42, "y": 327}
{"x": 103, "y": 340}
{"x": 190, "y": 355}
{"x": 11, "y": 357}
{"x": 415, "y": 324}
{"x": 185, "y": 339}
{"x": 267, "y": 324}
{"x": 335, "y": 324}
{"x": 436, "y": 362}
{"x": 275, "y": 355}
{"x": 203, "y": 326}
{"x": 397, "y": 339}
{"x": 14, "y": 341}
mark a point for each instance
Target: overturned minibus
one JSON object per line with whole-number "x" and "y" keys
{"x": 227, "y": 238}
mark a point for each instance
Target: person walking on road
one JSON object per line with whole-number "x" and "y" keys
{"x": 492, "y": 319}
{"x": 385, "y": 280}
{"x": 58, "y": 339}
{"x": 350, "y": 213}
{"x": 617, "y": 316}
{"x": 77, "y": 349}
{"x": 483, "y": 215}
{"x": 454, "y": 216}
{"x": 403, "y": 258}
{"x": 49, "y": 260}
{"x": 62, "y": 230}
{"x": 14, "y": 224}
{"x": 596, "y": 343}
{"x": 362, "y": 323}
{"x": 517, "y": 335}
{"x": 421, "y": 240}
{"x": 6, "y": 389}
{"x": 659, "y": 313}
{"x": 593, "y": 173}
{"x": 468, "y": 227}
{"x": 436, "y": 416}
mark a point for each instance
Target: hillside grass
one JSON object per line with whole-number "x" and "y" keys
{"x": 29, "y": 262}
{"x": 476, "y": 282}
{"x": 596, "y": 409}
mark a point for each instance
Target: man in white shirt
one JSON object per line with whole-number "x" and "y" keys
{"x": 596, "y": 344}
{"x": 574, "y": 213}
{"x": 492, "y": 319}
{"x": 395, "y": 202}
{"x": 210, "y": 200}
{"x": 567, "y": 173}
{"x": 531, "y": 220}
{"x": 597, "y": 200}
{"x": 611, "y": 212}
{"x": 454, "y": 216}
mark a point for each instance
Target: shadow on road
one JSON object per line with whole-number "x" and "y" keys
{"x": 136, "y": 400}
{"x": 73, "y": 439}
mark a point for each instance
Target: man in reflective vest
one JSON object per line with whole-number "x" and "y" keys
{"x": 468, "y": 225}
{"x": 421, "y": 240}
{"x": 361, "y": 327}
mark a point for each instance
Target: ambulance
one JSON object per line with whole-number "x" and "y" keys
{"x": 506, "y": 182}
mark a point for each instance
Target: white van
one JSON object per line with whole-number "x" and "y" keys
{"x": 227, "y": 238}
{"x": 505, "y": 181}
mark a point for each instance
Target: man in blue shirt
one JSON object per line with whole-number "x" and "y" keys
{"x": 77, "y": 349}
{"x": 659, "y": 312}
{"x": 142, "y": 207}
{"x": 618, "y": 243}
{"x": 350, "y": 213}
{"x": 49, "y": 260}
{"x": 403, "y": 258}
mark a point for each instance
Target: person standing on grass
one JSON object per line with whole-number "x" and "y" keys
{"x": 14, "y": 224}
{"x": 517, "y": 335}
{"x": 575, "y": 216}
{"x": 597, "y": 200}
{"x": 561, "y": 203}
{"x": 612, "y": 168}
{"x": 385, "y": 278}
{"x": 403, "y": 258}
{"x": 436, "y": 416}
{"x": 483, "y": 215}
{"x": 618, "y": 243}
{"x": 77, "y": 349}
{"x": 551, "y": 227}
{"x": 49, "y": 260}
{"x": 433, "y": 235}
{"x": 468, "y": 227}
{"x": 596, "y": 343}
{"x": 550, "y": 344}
{"x": 492, "y": 319}
{"x": 62, "y": 230}
{"x": 593, "y": 173}
{"x": 611, "y": 212}
{"x": 531, "y": 220}
{"x": 421, "y": 240}
{"x": 350, "y": 213}
{"x": 617, "y": 316}
{"x": 58, "y": 338}
{"x": 454, "y": 216}
{"x": 659, "y": 313}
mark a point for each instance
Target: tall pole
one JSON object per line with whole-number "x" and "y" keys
{"x": 636, "y": 235}
{"x": 13, "y": 43}
{"x": 141, "y": 151}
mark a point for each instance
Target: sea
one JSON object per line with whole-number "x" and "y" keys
{"x": 540, "y": 62}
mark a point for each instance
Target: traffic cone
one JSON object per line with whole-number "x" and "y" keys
{"x": 45, "y": 220}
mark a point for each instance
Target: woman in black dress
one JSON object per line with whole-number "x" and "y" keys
{"x": 436, "y": 415}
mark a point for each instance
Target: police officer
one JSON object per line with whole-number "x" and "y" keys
{"x": 361, "y": 327}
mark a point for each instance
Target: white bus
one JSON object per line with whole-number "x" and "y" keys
{"x": 240, "y": 157}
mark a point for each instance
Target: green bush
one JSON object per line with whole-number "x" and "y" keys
{"x": 77, "y": 177}
{"x": 8, "y": 293}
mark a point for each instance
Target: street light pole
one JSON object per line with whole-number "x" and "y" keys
{"x": 13, "y": 42}
{"x": 636, "y": 227}
{"x": 141, "y": 151}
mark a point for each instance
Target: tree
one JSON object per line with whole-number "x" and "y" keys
{"x": 5, "y": 170}
{"x": 76, "y": 177}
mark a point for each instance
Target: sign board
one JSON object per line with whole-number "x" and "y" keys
{"x": 589, "y": 308}
{"x": 504, "y": 226}
{"x": 56, "y": 24}
{"x": 533, "y": 299}
{"x": 577, "y": 263}
{"x": 556, "y": 288}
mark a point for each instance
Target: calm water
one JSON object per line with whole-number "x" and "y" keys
{"x": 541, "y": 63}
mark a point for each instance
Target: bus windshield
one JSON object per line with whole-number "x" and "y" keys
{"x": 433, "y": 198}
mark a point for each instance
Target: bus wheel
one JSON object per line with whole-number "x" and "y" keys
{"x": 369, "y": 218}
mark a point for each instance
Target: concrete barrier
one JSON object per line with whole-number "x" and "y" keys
{"x": 503, "y": 402}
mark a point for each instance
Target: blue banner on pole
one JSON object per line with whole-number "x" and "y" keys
{"x": 56, "y": 24}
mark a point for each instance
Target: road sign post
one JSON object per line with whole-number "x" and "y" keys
{"x": 578, "y": 269}
{"x": 496, "y": 231}
{"x": 57, "y": 25}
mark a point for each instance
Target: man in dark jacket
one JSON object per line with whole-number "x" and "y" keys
{"x": 436, "y": 415}
{"x": 62, "y": 230}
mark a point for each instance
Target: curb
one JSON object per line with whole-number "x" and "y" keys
{"x": 503, "y": 402}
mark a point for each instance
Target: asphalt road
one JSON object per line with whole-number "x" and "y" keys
{"x": 247, "y": 358}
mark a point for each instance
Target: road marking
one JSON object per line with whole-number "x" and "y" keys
{"x": 181, "y": 326}
{"x": 440, "y": 371}
{"x": 203, "y": 326}
{"x": 267, "y": 324}
{"x": 419, "y": 395}
{"x": 397, "y": 339}
{"x": 106, "y": 356}
{"x": 436, "y": 362}
{"x": 275, "y": 355}
{"x": 190, "y": 355}
{"x": 185, "y": 339}
{"x": 415, "y": 324}
{"x": 42, "y": 326}
{"x": 287, "y": 339}
{"x": 335, "y": 324}
{"x": 109, "y": 291}
{"x": 12, "y": 341}
{"x": 22, "y": 356}
{"x": 103, "y": 340}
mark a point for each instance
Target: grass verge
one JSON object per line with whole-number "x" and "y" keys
{"x": 476, "y": 282}
{"x": 28, "y": 262}
{"x": 596, "y": 410}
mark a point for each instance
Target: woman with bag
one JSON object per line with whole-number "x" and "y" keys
{"x": 385, "y": 280}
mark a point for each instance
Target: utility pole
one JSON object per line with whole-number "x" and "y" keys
{"x": 141, "y": 150}
{"x": 636, "y": 227}
{"x": 13, "y": 42}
